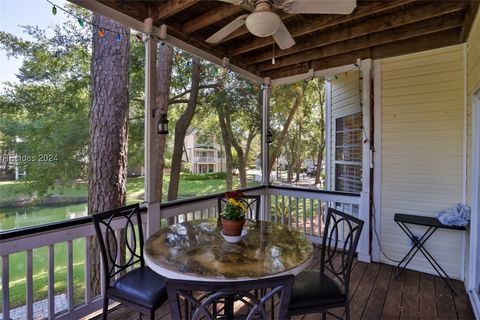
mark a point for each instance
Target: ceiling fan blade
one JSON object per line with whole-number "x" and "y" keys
{"x": 229, "y": 28}
{"x": 283, "y": 37}
{"x": 235, "y": 2}
{"x": 320, "y": 6}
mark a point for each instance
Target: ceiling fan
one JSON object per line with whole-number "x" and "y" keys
{"x": 263, "y": 22}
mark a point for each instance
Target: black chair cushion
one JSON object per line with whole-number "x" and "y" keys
{"x": 313, "y": 290}
{"x": 141, "y": 286}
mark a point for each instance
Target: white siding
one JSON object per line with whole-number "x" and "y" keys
{"x": 422, "y": 98}
{"x": 345, "y": 99}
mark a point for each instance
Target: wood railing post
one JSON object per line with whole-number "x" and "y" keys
{"x": 151, "y": 163}
{"x": 265, "y": 211}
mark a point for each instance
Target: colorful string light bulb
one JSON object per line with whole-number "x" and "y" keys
{"x": 54, "y": 10}
{"x": 101, "y": 33}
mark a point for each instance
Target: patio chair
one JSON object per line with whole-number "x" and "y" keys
{"x": 140, "y": 289}
{"x": 252, "y": 202}
{"x": 206, "y": 297}
{"x": 318, "y": 292}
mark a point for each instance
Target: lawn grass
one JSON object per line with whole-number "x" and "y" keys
{"x": 11, "y": 191}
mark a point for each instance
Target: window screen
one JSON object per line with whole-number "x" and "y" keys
{"x": 348, "y": 153}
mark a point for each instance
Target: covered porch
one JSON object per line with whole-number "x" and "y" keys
{"x": 410, "y": 69}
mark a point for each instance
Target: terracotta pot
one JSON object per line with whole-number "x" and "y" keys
{"x": 232, "y": 228}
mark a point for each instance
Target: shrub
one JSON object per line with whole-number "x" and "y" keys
{"x": 204, "y": 176}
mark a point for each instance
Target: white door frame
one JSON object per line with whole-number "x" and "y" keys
{"x": 475, "y": 202}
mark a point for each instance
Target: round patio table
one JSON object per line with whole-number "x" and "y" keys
{"x": 196, "y": 250}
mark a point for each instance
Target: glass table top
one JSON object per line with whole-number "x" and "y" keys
{"x": 196, "y": 250}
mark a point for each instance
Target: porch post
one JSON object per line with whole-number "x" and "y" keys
{"x": 364, "y": 208}
{"x": 265, "y": 214}
{"x": 151, "y": 165}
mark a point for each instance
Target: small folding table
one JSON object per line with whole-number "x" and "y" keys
{"x": 432, "y": 224}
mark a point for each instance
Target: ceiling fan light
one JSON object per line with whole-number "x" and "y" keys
{"x": 263, "y": 23}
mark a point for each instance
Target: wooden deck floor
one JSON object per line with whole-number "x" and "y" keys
{"x": 376, "y": 294}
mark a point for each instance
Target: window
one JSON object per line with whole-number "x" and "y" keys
{"x": 348, "y": 153}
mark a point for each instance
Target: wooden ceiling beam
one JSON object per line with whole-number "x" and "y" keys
{"x": 382, "y": 23}
{"x": 433, "y": 41}
{"x": 470, "y": 17}
{"x": 320, "y": 24}
{"x": 426, "y": 27}
{"x": 204, "y": 20}
{"x": 172, "y": 7}
{"x": 320, "y": 64}
{"x": 417, "y": 44}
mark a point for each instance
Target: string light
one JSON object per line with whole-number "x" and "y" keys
{"x": 118, "y": 35}
{"x": 83, "y": 21}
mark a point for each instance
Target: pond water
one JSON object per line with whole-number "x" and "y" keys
{"x": 13, "y": 218}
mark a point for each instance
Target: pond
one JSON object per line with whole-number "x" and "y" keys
{"x": 12, "y": 218}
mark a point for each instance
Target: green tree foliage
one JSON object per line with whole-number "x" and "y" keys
{"x": 45, "y": 115}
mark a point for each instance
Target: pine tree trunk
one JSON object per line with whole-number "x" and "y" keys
{"x": 108, "y": 128}
{"x": 164, "y": 78}
{"x": 181, "y": 129}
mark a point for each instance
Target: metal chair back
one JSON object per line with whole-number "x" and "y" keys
{"x": 250, "y": 297}
{"x": 122, "y": 249}
{"x": 341, "y": 236}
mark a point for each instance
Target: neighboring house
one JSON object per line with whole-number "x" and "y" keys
{"x": 203, "y": 157}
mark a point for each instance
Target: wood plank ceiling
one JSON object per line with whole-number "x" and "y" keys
{"x": 375, "y": 29}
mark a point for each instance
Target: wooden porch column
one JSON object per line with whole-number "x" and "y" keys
{"x": 265, "y": 212}
{"x": 364, "y": 208}
{"x": 151, "y": 200}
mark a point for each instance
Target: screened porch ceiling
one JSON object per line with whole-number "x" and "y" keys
{"x": 375, "y": 29}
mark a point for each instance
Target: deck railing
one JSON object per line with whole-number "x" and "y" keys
{"x": 305, "y": 209}
{"x": 206, "y": 159}
{"x": 299, "y": 208}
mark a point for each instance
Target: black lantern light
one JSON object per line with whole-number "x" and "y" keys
{"x": 162, "y": 124}
{"x": 269, "y": 136}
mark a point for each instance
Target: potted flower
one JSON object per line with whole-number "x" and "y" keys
{"x": 233, "y": 216}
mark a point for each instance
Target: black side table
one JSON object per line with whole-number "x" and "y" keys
{"x": 432, "y": 225}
